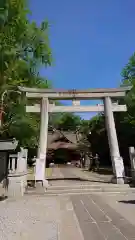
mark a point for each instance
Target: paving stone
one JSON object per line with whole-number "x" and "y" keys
{"x": 96, "y": 214}
{"x": 80, "y": 210}
{"x": 68, "y": 173}
{"x": 106, "y": 208}
{"x": 68, "y": 228}
{"x": 110, "y": 232}
{"x": 118, "y": 220}
{"x": 89, "y": 229}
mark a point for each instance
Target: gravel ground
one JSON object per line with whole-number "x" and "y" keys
{"x": 29, "y": 218}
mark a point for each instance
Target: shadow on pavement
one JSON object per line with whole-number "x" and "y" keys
{"x": 101, "y": 171}
{"x": 128, "y": 201}
{"x": 131, "y": 184}
{"x": 2, "y": 198}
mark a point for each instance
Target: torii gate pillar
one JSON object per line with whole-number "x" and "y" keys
{"x": 117, "y": 161}
{"x": 41, "y": 159}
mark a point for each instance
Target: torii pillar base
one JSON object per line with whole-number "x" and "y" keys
{"x": 118, "y": 180}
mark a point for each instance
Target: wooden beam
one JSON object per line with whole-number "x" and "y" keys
{"x": 98, "y": 108}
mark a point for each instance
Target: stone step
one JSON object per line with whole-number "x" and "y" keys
{"x": 98, "y": 189}
{"x": 87, "y": 186}
{"x": 68, "y": 190}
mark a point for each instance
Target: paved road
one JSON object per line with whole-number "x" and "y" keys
{"x": 80, "y": 217}
{"x": 102, "y": 216}
{"x": 98, "y": 220}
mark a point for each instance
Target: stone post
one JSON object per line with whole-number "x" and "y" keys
{"x": 41, "y": 159}
{"x": 132, "y": 161}
{"x": 117, "y": 161}
{"x": 18, "y": 177}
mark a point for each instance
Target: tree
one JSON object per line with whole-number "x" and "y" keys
{"x": 124, "y": 121}
{"x": 128, "y": 78}
{"x": 23, "y": 48}
{"x": 23, "y": 45}
{"x": 68, "y": 122}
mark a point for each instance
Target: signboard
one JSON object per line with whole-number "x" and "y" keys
{"x": 76, "y": 103}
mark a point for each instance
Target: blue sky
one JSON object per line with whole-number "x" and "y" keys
{"x": 91, "y": 40}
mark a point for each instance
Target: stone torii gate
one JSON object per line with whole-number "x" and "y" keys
{"x": 76, "y": 95}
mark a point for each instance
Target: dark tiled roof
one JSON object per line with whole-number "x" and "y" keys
{"x": 71, "y": 137}
{"x": 60, "y": 145}
{"x": 6, "y": 145}
{"x": 59, "y": 139}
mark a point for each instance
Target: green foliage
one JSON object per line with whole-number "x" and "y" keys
{"x": 125, "y": 122}
{"x": 24, "y": 47}
{"x": 128, "y": 73}
{"x": 68, "y": 122}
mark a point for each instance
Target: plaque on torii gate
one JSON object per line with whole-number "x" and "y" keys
{"x": 76, "y": 95}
